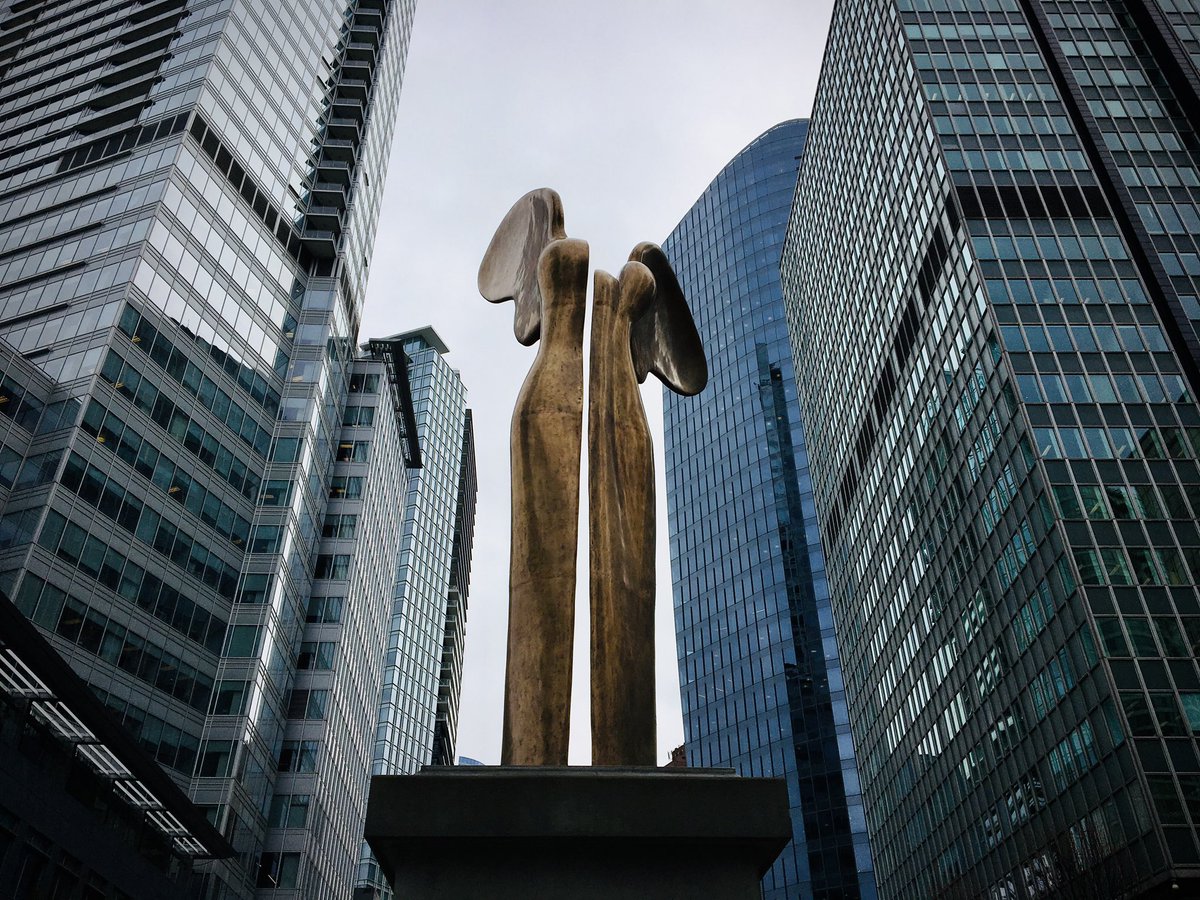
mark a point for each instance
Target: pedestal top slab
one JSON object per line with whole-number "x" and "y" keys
{"x": 606, "y": 828}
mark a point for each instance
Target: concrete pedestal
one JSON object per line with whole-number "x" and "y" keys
{"x": 579, "y": 833}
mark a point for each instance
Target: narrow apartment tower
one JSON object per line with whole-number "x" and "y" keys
{"x": 991, "y": 277}
{"x": 759, "y": 674}
{"x": 189, "y": 192}
{"x": 418, "y": 707}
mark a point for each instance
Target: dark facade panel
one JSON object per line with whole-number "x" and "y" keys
{"x": 1013, "y": 554}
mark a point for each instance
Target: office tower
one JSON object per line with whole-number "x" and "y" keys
{"x": 990, "y": 281}
{"x": 320, "y": 794}
{"x": 758, "y": 668}
{"x": 188, "y": 198}
{"x": 418, "y": 707}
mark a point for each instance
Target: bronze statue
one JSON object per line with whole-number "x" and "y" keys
{"x": 640, "y": 324}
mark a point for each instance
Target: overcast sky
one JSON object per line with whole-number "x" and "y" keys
{"x": 627, "y": 109}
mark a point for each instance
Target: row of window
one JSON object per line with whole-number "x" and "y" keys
{"x": 176, "y": 363}
{"x": 1117, "y": 443}
{"x": 1163, "y": 708}
{"x": 358, "y": 416}
{"x": 352, "y": 451}
{"x": 278, "y": 871}
{"x": 1117, "y": 501}
{"x": 185, "y": 550}
{"x": 324, "y": 610}
{"x": 109, "y": 207}
{"x": 82, "y": 249}
{"x": 957, "y": 5}
{"x": 140, "y": 657}
{"x": 112, "y": 432}
{"x": 106, "y": 493}
{"x": 1073, "y": 756}
{"x": 307, "y": 703}
{"x": 335, "y": 566}
{"x": 346, "y": 487}
{"x": 1141, "y": 387}
{"x": 21, "y": 406}
{"x": 995, "y": 62}
{"x": 364, "y": 383}
{"x": 1060, "y": 291}
{"x": 1138, "y": 565}
{"x": 139, "y": 390}
{"x": 168, "y": 744}
{"x": 1051, "y": 684}
{"x": 1080, "y": 338}
{"x": 1010, "y": 160}
{"x": 342, "y": 526}
{"x": 110, "y": 567}
{"x": 1171, "y": 641}
{"x": 985, "y": 31}
{"x": 1003, "y": 89}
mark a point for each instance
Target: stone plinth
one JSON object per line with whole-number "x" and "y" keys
{"x": 580, "y": 833}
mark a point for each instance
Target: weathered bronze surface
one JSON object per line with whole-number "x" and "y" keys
{"x": 509, "y": 270}
{"x": 546, "y": 440}
{"x": 640, "y": 324}
{"x": 621, "y": 528}
{"x": 532, "y": 262}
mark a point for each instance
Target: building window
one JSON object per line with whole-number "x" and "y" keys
{"x": 298, "y": 756}
{"x": 333, "y": 565}
{"x": 307, "y": 704}
{"x": 230, "y": 698}
{"x": 352, "y": 451}
{"x": 254, "y": 589}
{"x": 339, "y": 526}
{"x": 215, "y": 759}
{"x": 278, "y": 871}
{"x": 324, "y": 610}
{"x": 243, "y": 641}
{"x": 266, "y": 539}
{"x": 276, "y": 493}
{"x": 346, "y": 487}
{"x": 289, "y": 811}
{"x": 358, "y": 416}
{"x": 316, "y": 655}
{"x": 286, "y": 450}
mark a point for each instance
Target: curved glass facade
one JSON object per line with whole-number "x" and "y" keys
{"x": 759, "y": 675}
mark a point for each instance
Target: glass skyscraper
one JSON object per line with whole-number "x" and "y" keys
{"x": 418, "y": 708}
{"x": 759, "y": 674}
{"x": 203, "y": 482}
{"x": 991, "y": 278}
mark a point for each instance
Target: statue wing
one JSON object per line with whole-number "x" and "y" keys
{"x": 664, "y": 339}
{"x": 509, "y": 270}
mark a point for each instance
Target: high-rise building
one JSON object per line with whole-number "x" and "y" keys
{"x": 188, "y": 199}
{"x": 445, "y": 735}
{"x": 991, "y": 278}
{"x": 319, "y": 798}
{"x": 759, "y": 674}
{"x": 418, "y": 708}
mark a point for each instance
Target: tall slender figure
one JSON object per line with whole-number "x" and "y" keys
{"x": 621, "y": 528}
{"x": 532, "y": 262}
{"x": 640, "y": 324}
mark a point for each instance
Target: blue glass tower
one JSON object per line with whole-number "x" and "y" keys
{"x": 758, "y": 666}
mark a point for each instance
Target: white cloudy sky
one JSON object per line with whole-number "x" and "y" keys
{"x": 628, "y": 108}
